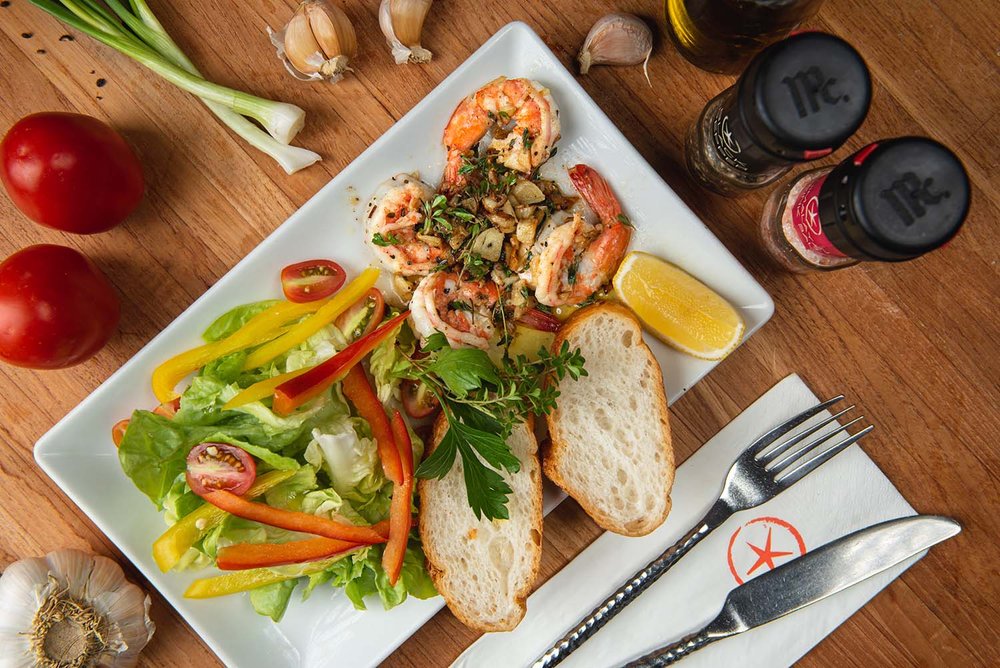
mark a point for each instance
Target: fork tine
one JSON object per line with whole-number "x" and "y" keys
{"x": 771, "y": 455}
{"x": 792, "y": 457}
{"x": 790, "y": 424}
{"x": 805, "y": 468}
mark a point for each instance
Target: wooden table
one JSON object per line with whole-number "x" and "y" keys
{"x": 914, "y": 344}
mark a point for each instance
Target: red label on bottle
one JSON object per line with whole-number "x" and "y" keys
{"x": 805, "y": 220}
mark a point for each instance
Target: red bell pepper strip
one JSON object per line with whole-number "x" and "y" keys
{"x": 296, "y": 391}
{"x": 291, "y": 520}
{"x": 260, "y": 555}
{"x": 359, "y": 392}
{"x": 400, "y": 520}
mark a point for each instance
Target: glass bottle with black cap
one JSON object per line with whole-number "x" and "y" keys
{"x": 798, "y": 100}
{"x": 891, "y": 201}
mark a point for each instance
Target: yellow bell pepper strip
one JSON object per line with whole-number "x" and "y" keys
{"x": 293, "y": 393}
{"x": 323, "y": 316}
{"x": 261, "y": 390}
{"x": 179, "y": 538}
{"x": 257, "y": 330}
{"x": 238, "y": 581}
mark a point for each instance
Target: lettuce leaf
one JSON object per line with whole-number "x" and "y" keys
{"x": 348, "y": 457}
{"x": 272, "y": 600}
{"x": 361, "y": 575}
{"x": 388, "y": 360}
{"x": 272, "y": 459}
{"x": 288, "y": 494}
{"x": 234, "y": 318}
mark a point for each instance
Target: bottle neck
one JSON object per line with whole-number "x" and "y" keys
{"x": 734, "y": 142}
{"x": 801, "y": 220}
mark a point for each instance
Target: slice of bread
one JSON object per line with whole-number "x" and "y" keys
{"x": 484, "y": 569}
{"x": 610, "y": 434}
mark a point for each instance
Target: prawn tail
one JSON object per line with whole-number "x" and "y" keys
{"x": 453, "y": 179}
{"x": 596, "y": 193}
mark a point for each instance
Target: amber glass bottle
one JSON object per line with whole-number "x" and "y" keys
{"x": 722, "y": 35}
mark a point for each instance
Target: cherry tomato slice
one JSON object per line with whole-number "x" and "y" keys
{"x": 118, "y": 431}
{"x": 311, "y": 280}
{"x": 215, "y": 466}
{"x": 540, "y": 320}
{"x": 363, "y": 316}
{"x": 418, "y": 401}
{"x": 169, "y": 409}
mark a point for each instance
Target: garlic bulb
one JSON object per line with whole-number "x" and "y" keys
{"x": 402, "y": 21}
{"x": 617, "y": 39}
{"x": 317, "y": 43}
{"x": 71, "y": 609}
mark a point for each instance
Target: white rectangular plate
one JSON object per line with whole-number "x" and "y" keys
{"x": 77, "y": 452}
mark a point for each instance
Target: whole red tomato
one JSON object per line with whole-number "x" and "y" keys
{"x": 71, "y": 172}
{"x": 56, "y": 308}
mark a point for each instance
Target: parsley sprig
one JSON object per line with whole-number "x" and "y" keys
{"x": 437, "y": 213}
{"x": 483, "y": 402}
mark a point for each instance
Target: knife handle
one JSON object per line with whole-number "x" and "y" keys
{"x": 669, "y": 654}
{"x": 629, "y": 591}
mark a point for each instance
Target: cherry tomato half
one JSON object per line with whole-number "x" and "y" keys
{"x": 118, "y": 431}
{"x": 167, "y": 410}
{"x": 311, "y": 280}
{"x": 418, "y": 401}
{"x": 540, "y": 320}
{"x": 56, "y": 308}
{"x": 70, "y": 172}
{"x": 215, "y": 466}
{"x": 363, "y": 316}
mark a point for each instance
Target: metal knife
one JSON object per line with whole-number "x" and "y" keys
{"x": 810, "y": 578}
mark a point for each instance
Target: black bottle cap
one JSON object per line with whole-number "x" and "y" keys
{"x": 894, "y": 200}
{"x": 802, "y": 97}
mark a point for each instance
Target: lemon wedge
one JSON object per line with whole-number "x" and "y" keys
{"x": 678, "y": 308}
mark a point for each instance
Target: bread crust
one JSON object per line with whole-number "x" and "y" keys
{"x": 436, "y": 567}
{"x": 557, "y": 448}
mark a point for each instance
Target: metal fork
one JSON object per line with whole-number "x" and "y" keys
{"x": 758, "y": 475}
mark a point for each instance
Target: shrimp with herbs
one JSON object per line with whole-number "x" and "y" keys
{"x": 394, "y": 227}
{"x": 461, "y": 309}
{"x": 523, "y": 116}
{"x": 573, "y": 260}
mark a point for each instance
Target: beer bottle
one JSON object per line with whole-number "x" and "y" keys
{"x": 798, "y": 100}
{"x": 891, "y": 201}
{"x": 722, "y": 35}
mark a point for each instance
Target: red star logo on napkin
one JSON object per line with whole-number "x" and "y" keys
{"x": 747, "y": 558}
{"x": 765, "y": 555}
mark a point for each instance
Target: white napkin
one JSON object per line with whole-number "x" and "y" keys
{"x": 845, "y": 494}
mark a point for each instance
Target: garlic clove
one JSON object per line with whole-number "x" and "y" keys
{"x": 617, "y": 39}
{"x": 317, "y": 43}
{"x": 402, "y": 22}
{"x": 301, "y": 47}
{"x": 334, "y": 33}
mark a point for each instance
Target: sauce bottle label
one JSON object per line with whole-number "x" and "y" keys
{"x": 806, "y": 223}
{"x": 734, "y": 144}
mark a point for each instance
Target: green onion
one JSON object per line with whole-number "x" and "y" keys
{"x": 136, "y": 32}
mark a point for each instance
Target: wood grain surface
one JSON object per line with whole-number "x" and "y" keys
{"x": 914, "y": 344}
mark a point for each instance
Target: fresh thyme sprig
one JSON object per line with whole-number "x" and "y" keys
{"x": 483, "y": 402}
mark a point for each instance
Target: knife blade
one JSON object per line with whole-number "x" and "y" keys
{"x": 812, "y": 577}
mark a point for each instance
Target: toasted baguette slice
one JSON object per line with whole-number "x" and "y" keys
{"x": 610, "y": 435}
{"x": 484, "y": 569}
